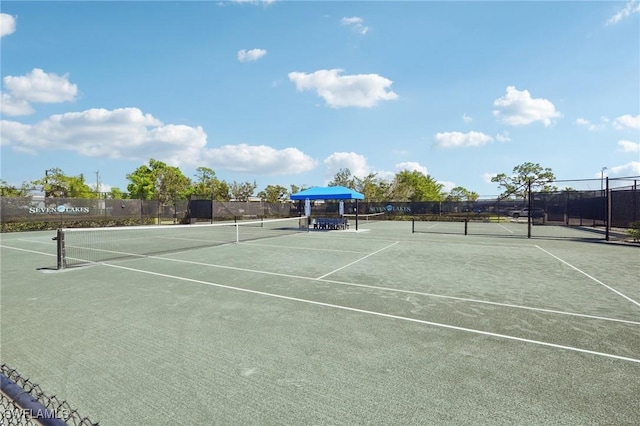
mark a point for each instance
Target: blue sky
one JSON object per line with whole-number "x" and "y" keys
{"x": 287, "y": 92}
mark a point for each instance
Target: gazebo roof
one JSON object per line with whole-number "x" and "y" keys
{"x": 328, "y": 193}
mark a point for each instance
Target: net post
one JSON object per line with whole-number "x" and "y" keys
{"x": 466, "y": 226}
{"x": 413, "y": 225}
{"x": 61, "y": 255}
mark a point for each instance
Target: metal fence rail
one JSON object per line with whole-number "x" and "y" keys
{"x": 25, "y": 403}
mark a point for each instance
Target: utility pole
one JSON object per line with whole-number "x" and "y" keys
{"x": 98, "y": 182}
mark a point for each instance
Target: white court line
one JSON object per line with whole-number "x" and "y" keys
{"x": 504, "y": 227}
{"x": 250, "y": 243}
{"x": 28, "y": 251}
{"x": 380, "y": 314}
{"x": 396, "y": 290}
{"x": 589, "y": 276}
{"x": 373, "y": 287}
{"x": 356, "y": 261}
{"x": 34, "y": 241}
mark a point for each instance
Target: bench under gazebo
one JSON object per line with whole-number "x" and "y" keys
{"x": 340, "y": 193}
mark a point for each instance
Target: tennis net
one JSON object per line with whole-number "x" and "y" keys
{"x": 78, "y": 246}
{"x": 370, "y": 217}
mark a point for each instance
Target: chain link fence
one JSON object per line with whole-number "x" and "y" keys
{"x": 25, "y": 403}
{"x": 40, "y": 213}
{"x": 592, "y": 203}
{"x": 213, "y": 210}
{"x": 609, "y": 207}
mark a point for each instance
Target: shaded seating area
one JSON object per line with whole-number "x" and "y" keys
{"x": 330, "y": 223}
{"x": 328, "y": 193}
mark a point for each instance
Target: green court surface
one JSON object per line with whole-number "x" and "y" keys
{"x": 381, "y": 326}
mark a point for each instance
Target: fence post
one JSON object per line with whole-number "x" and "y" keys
{"x": 530, "y": 206}
{"x": 607, "y": 211}
{"x": 357, "y": 214}
{"x": 635, "y": 200}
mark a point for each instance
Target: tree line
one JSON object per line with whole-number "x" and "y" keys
{"x": 168, "y": 184}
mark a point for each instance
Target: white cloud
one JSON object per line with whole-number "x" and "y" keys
{"x": 628, "y": 146}
{"x": 503, "y": 137}
{"x": 458, "y": 139}
{"x": 35, "y": 87}
{"x": 131, "y": 134}
{"x": 629, "y": 169}
{"x": 356, "y": 163}
{"x": 466, "y": 118}
{"x": 633, "y": 6}
{"x": 351, "y": 21}
{"x": 486, "y": 177}
{"x": 447, "y": 186}
{"x": 356, "y": 24}
{"x": 627, "y": 121}
{"x": 255, "y": 2}
{"x": 251, "y": 55}
{"x": 13, "y": 107}
{"x": 339, "y": 91}
{"x": 7, "y": 24}
{"x": 385, "y": 175}
{"x": 412, "y": 167}
{"x": 259, "y": 159}
{"x": 583, "y": 122}
{"x": 120, "y": 133}
{"x": 38, "y": 86}
{"x": 103, "y": 186}
{"x": 13, "y": 133}
{"x": 517, "y": 108}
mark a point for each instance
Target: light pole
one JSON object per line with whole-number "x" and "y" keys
{"x": 602, "y": 177}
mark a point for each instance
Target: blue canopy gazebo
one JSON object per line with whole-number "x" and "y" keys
{"x": 329, "y": 193}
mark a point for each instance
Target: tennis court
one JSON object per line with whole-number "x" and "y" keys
{"x": 378, "y": 326}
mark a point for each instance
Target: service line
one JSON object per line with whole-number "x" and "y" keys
{"x": 356, "y": 261}
{"x": 383, "y": 315}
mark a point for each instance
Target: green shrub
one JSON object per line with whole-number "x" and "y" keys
{"x": 634, "y": 231}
